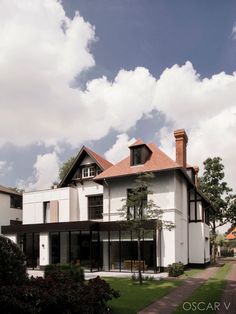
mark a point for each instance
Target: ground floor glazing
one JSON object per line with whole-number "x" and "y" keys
{"x": 93, "y": 250}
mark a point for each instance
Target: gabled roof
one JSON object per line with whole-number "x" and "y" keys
{"x": 231, "y": 235}
{"x": 99, "y": 160}
{"x": 158, "y": 161}
{"x": 103, "y": 163}
{"x": 9, "y": 191}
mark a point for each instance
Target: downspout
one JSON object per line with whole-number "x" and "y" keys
{"x": 109, "y": 201}
{"x": 160, "y": 255}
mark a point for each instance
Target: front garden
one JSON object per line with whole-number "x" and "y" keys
{"x": 63, "y": 290}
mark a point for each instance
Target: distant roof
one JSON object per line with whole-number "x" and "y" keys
{"x": 10, "y": 191}
{"x": 158, "y": 161}
{"x": 99, "y": 160}
{"x": 231, "y": 235}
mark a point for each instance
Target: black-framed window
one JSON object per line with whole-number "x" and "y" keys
{"x": 95, "y": 206}
{"x": 15, "y": 201}
{"x": 137, "y": 156}
{"x": 132, "y": 211}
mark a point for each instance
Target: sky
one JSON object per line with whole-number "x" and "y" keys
{"x": 104, "y": 73}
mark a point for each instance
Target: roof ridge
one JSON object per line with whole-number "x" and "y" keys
{"x": 97, "y": 155}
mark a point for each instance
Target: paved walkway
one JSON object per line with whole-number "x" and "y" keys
{"x": 89, "y": 275}
{"x": 170, "y": 302}
{"x": 228, "y": 301}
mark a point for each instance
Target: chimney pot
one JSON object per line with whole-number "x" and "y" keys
{"x": 181, "y": 140}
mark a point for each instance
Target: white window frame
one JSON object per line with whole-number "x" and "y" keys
{"x": 88, "y": 171}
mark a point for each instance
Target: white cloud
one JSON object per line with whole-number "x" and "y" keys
{"x": 234, "y": 31}
{"x": 119, "y": 149}
{"x": 42, "y": 51}
{"x": 45, "y": 173}
{"x": 5, "y": 167}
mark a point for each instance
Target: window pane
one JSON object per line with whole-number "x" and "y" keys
{"x": 92, "y": 172}
{"x": 137, "y": 156}
{"x": 199, "y": 210}
{"x": 192, "y": 211}
{"x": 95, "y": 207}
{"x": 85, "y": 172}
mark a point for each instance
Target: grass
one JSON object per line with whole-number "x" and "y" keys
{"x": 190, "y": 273}
{"x": 209, "y": 292}
{"x": 134, "y": 297}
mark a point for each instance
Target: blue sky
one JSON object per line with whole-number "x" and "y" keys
{"x": 151, "y": 34}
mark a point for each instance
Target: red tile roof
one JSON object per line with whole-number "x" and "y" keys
{"x": 231, "y": 235}
{"x": 105, "y": 164}
{"x": 157, "y": 161}
{"x": 137, "y": 143}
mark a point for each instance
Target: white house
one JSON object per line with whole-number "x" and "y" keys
{"x": 79, "y": 221}
{"x": 10, "y": 207}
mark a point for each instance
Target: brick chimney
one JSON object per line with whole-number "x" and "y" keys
{"x": 181, "y": 140}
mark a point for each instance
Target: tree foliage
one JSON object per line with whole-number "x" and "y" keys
{"x": 12, "y": 263}
{"x": 218, "y": 192}
{"x": 137, "y": 208}
{"x": 214, "y": 186}
{"x": 65, "y": 167}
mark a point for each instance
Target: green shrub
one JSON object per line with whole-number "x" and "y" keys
{"x": 176, "y": 269}
{"x": 12, "y": 263}
{"x": 43, "y": 296}
{"x": 64, "y": 272}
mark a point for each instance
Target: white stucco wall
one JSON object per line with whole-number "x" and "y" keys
{"x": 33, "y": 204}
{"x": 181, "y": 219}
{"x": 6, "y": 212}
{"x": 162, "y": 188}
{"x": 170, "y": 194}
{"x": 44, "y": 249}
{"x": 196, "y": 242}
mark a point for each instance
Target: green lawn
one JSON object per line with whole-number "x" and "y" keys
{"x": 134, "y": 297}
{"x": 209, "y": 292}
{"x": 191, "y": 273}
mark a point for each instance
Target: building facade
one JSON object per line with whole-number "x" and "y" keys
{"x": 10, "y": 206}
{"x": 79, "y": 222}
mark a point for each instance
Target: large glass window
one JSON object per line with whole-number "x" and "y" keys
{"x": 115, "y": 251}
{"x": 95, "y": 207}
{"x": 55, "y": 248}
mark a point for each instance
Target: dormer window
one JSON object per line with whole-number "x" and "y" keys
{"x": 139, "y": 154}
{"x": 88, "y": 172}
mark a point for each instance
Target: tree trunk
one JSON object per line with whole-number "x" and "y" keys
{"x": 214, "y": 244}
{"x": 139, "y": 259}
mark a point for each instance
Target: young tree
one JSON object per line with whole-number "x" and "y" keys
{"x": 137, "y": 208}
{"x": 216, "y": 189}
{"x": 65, "y": 167}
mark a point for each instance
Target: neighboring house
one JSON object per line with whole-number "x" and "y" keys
{"x": 10, "y": 206}
{"x": 79, "y": 221}
{"x": 231, "y": 237}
